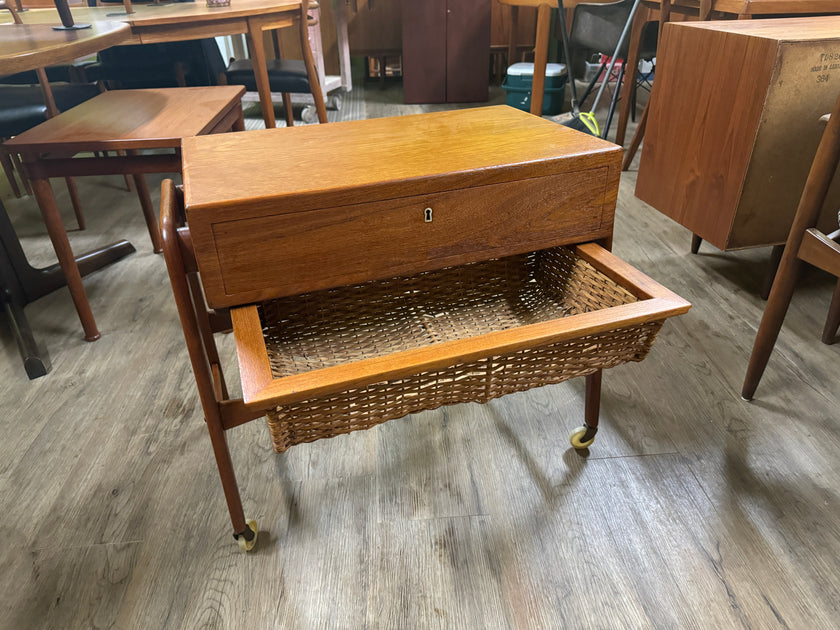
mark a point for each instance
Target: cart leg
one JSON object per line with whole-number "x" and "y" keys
{"x": 245, "y": 532}
{"x": 582, "y": 437}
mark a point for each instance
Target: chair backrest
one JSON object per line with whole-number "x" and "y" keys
{"x": 597, "y": 27}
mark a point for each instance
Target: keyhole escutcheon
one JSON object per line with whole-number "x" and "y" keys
{"x": 428, "y": 215}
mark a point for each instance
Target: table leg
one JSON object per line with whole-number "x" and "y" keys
{"x": 58, "y": 236}
{"x": 312, "y": 71}
{"x": 36, "y": 361}
{"x": 632, "y": 65}
{"x": 147, "y": 207}
{"x": 540, "y": 58}
{"x": 514, "y": 29}
{"x": 637, "y": 139}
{"x": 255, "y": 47}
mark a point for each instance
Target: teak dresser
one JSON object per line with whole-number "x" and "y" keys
{"x": 378, "y": 268}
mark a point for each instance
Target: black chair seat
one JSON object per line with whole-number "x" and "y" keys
{"x": 288, "y": 75}
{"x": 22, "y": 107}
{"x": 54, "y": 73}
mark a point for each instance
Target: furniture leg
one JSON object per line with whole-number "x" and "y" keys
{"x": 311, "y": 70}
{"x": 148, "y": 208}
{"x": 664, "y": 17}
{"x": 126, "y": 176}
{"x": 76, "y": 202}
{"x": 771, "y": 323}
{"x": 514, "y": 29}
{"x": 255, "y": 48}
{"x": 582, "y": 437}
{"x": 187, "y": 312}
{"x": 23, "y": 178}
{"x": 36, "y": 361}
{"x": 772, "y": 268}
{"x": 227, "y": 476}
{"x": 287, "y": 107}
{"x": 637, "y": 139}
{"x": 8, "y": 169}
{"x": 540, "y": 58}
{"x": 58, "y": 236}
{"x": 696, "y": 241}
{"x": 239, "y": 123}
{"x": 832, "y": 321}
{"x": 632, "y": 62}
{"x": 822, "y": 171}
{"x": 593, "y": 400}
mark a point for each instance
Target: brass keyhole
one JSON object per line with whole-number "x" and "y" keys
{"x": 428, "y": 214}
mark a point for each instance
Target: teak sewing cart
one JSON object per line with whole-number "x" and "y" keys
{"x": 377, "y": 268}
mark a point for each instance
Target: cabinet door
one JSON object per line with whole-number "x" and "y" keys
{"x": 424, "y": 51}
{"x": 467, "y": 50}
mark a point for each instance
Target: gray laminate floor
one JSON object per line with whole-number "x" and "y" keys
{"x": 694, "y": 509}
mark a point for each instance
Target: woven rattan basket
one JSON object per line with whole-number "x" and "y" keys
{"x": 327, "y": 328}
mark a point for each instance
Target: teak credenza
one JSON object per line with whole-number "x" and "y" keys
{"x": 378, "y": 268}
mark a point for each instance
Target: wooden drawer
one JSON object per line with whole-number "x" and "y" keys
{"x": 330, "y": 247}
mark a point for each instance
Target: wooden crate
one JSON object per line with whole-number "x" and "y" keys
{"x": 733, "y": 125}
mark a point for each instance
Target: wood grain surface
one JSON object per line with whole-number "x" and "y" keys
{"x": 694, "y": 509}
{"x": 729, "y": 143}
{"x": 30, "y": 46}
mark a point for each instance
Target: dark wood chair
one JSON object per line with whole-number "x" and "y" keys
{"x": 805, "y": 243}
{"x": 285, "y": 76}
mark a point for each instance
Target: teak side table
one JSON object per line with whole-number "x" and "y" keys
{"x": 383, "y": 267}
{"x": 121, "y": 120}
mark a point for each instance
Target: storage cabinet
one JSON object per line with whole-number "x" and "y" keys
{"x": 733, "y": 125}
{"x": 383, "y": 267}
{"x": 446, "y": 51}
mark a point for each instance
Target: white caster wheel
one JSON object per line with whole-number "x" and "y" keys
{"x": 334, "y": 102}
{"x": 582, "y": 437}
{"x": 244, "y": 543}
{"x": 309, "y": 114}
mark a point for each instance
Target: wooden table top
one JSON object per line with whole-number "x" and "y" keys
{"x": 148, "y": 15}
{"x": 760, "y": 7}
{"x": 120, "y": 119}
{"x": 29, "y": 46}
{"x": 795, "y": 29}
{"x": 735, "y": 7}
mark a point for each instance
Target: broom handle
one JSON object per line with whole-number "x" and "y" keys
{"x": 621, "y": 39}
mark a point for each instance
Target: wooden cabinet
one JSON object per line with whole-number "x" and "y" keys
{"x": 733, "y": 125}
{"x": 446, "y": 51}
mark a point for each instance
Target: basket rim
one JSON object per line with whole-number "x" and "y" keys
{"x": 262, "y": 390}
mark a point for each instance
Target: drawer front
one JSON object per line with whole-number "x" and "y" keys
{"x": 286, "y": 254}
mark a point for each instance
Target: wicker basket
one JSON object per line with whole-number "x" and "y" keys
{"x": 332, "y": 327}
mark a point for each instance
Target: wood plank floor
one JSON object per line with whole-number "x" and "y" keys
{"x": 694, "y": 509}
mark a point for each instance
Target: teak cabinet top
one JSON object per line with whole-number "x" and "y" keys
{"x": 288, "y": 211}
{"x": 379, "y": 159}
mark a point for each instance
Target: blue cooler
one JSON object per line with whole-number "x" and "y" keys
{"x": 518, "y": 82}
